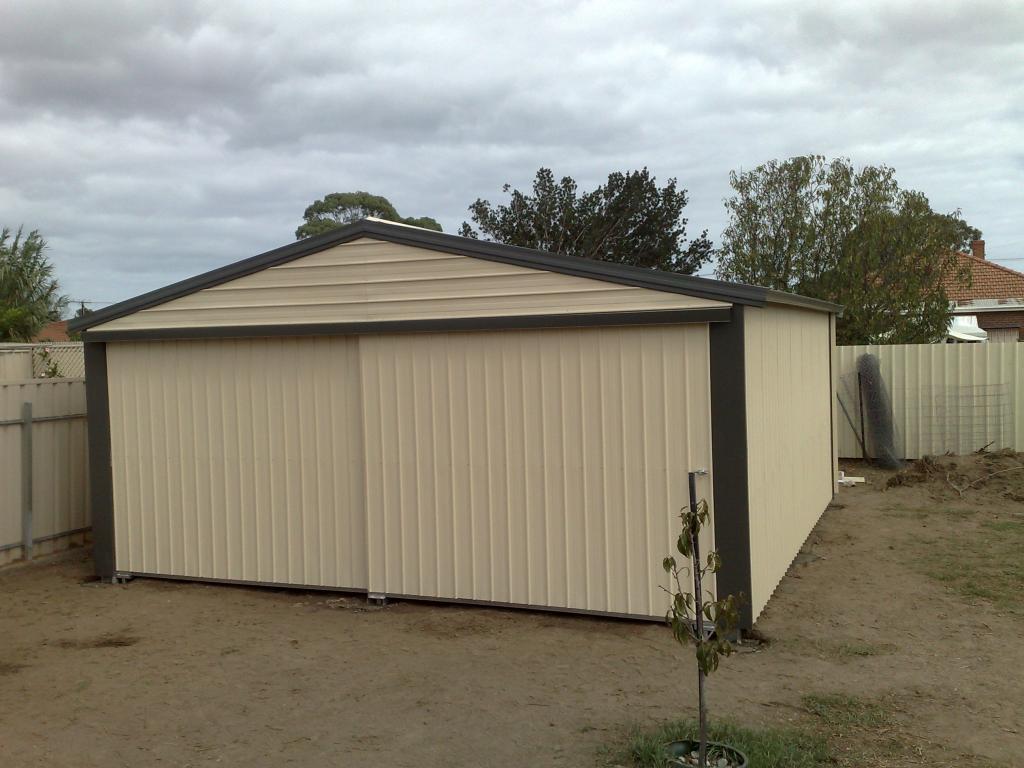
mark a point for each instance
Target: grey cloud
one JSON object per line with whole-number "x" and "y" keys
{"x": 151, "y": 142}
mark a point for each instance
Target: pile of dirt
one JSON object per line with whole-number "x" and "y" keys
{"x": 986, "y": 473}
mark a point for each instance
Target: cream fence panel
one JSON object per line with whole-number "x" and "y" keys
{"x": 43, "y": 471}
{"x": 49, "y": 360}
{"x": 15, "y": 362}
{"x": 953, "y": 398}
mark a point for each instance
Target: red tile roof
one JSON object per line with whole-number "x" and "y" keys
{"x": 53, "y": 331}
{"x": 988, "y": 281}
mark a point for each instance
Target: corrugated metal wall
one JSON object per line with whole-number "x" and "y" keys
{"x": 59, "y": 463}
{"x": 532, "y": 467}
{"x": 15, "y": 363}
{"x": 372, "y": 280}
{"x": 789, "y": 436}
{"x": 945, "y": 397}
{"x": 239, "y": 460}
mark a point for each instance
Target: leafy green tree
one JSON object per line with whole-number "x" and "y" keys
{"x": 629, "y": 219}
{"x": 29, "y": 293}
{"x": 853, "y": 237}
{"x": 341, "y": 208}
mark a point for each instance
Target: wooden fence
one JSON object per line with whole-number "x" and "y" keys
{"x": 43, "y": 467}
{"x": 953, "y": 398}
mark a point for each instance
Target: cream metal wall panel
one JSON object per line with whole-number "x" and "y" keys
{"x": 945, "y": 397}
{"x": 239, "y": 459}
{"x": 789, "y": 436}
{"x": 532, "y": 467}
{"x": 370, "y": 281}
{"x": 15, "y": 363}
{"x": 59, "y": 463}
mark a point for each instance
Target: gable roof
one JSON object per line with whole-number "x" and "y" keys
{"x": 656, "y": 280}
{"x": 988, "y": 281}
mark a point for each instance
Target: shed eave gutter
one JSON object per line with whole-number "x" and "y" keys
{"x": 442, "y": 325}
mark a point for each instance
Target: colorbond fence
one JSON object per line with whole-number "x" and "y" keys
{"x": 43, "y": 472}
{"x": 953, "y": 398}
{"x": 15, "y": 362}
{"x": 42, "y": 360}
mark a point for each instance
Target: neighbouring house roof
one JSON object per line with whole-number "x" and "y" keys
{"x": 53, "y": 331}
{"x": 424, "y": 238}
{"x": 965, "y": 328}
{"x": 993, "y": 287}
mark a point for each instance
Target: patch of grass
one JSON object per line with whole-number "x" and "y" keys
{"x": 980, "y": 562}
{"x": 837, "y": 711}
{"x": 765, "y": 747}
{"x": 838, "y": 650}
{"x": 855, "y": 649}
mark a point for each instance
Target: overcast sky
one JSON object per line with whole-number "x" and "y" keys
{"x": 152, "y": 141}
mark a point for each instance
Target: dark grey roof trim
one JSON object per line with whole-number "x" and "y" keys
{"x": 445, "y": 325}
{"x": 670, "y": 282}
{"x": 796, "y": 300}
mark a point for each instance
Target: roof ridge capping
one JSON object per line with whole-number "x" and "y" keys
{"x": 407, "y": 234}
{"x": 990, "y": 263}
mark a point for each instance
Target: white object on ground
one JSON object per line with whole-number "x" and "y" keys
{"x": 848, "y": 481}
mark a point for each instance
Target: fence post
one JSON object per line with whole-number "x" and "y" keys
{"x": 860, "y": 407}
{"x": 26, "y": 480}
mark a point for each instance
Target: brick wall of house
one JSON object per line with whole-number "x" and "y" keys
{"x": 995, "y": 320}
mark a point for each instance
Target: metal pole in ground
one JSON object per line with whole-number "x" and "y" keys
{"x": 860, "y": 401}
{"x": 26, "y": 480}
{"x": 698, "y": 597}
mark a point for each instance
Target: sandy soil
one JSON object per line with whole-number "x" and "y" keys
{"x": 178, "y": 674}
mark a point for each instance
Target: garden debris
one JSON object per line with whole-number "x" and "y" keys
{"x": 992, "y": 473}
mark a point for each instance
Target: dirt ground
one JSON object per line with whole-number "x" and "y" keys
{"x": 179, "y": 674}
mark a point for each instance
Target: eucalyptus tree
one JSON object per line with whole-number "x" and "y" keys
{"x": 851, "y": 236}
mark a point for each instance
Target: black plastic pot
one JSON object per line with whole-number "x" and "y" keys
{"x": 716, "y": 750}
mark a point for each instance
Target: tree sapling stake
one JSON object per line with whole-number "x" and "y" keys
{"x": 696, "y": 617}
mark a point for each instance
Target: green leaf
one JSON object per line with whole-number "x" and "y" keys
{"x": 851, "y": 236}
{"x": 341, "y": 208}
{"x": 630, "y": 219}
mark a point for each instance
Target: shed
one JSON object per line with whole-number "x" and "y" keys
{"x": 406, "y": 413}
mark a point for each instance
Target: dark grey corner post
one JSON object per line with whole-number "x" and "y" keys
{"x": 729, "y": 456}
{"x": 101, "y": 485}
